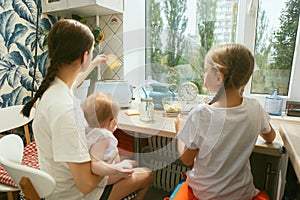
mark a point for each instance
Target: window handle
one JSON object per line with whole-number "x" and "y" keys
{"x": 251, "y": 8}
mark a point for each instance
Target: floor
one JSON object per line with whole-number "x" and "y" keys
{"x": 156, "y": 194}
{"x": 153, "y": 194}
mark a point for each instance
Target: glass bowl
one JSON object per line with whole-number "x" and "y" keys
{"x": 171, "y": 104}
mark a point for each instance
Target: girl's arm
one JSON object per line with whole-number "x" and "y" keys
{"x": 187, "y": 155}
{"x": 269, "y": 137}
{"x": 85, "y": 180}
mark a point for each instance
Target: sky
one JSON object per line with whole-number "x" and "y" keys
{"x": 272, "y": 8}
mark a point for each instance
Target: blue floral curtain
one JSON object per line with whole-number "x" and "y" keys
{"x": 17, "y": 50}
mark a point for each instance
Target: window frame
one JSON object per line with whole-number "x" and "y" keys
{"x": 135, "y": 44}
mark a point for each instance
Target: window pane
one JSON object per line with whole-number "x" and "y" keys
{"x": 276, "y": 31}
{"x": 180, "y": 33}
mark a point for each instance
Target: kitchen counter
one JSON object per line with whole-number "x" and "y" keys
{"x": 290, "y": 133}
{"x": 164, "y": 126}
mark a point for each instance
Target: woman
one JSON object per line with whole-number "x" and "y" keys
{"x": 59, "y": 123}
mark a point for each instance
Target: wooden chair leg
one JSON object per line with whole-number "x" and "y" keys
{"x": 27, "y": 134}
{"x": 10, "y": 196}
{"x": 28, "y": 189}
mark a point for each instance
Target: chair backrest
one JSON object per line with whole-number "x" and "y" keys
{"x": 11, "y": 148}
{"x": 42, "y": 182}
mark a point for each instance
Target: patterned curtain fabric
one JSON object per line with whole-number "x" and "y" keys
{"x": 17, "y": 50}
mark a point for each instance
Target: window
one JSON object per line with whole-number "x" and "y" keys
{"x": 180, "y": 34}
{"x": 275, "y": 40}
{"x": 180, "y": 37}
{"x": 137, "y": 57}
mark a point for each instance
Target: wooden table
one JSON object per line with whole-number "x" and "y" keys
{"x": 164, "y": 126}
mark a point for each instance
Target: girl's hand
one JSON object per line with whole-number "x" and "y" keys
{"x": 178, "y": 123}
{"x": 99, "y": 59}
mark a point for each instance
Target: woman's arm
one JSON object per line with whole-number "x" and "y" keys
{"x": 85, "y": 180}
{"x": 269, "y": 137}
{"x": 99, "y": 59}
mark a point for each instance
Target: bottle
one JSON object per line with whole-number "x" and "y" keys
{"x": 273, "y": 104}
{"x": 146, "y": 109}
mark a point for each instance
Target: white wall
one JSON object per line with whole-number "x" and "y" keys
{"x": 134, "y": 41}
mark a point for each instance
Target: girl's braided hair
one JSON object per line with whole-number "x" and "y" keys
{"x": 235, "y": 61}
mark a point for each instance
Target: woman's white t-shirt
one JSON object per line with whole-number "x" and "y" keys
{"x": 225, "y": 138}
{"x": 59, "y": 131}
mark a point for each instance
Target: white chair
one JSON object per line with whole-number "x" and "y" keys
{"x": 11, "y": 118}
{"x": 34, "y": 183}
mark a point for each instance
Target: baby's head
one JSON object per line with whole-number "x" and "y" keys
{"x": 234, "y": 61}
{"x": 100, "y": 111}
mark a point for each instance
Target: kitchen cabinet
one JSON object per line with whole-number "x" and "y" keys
{"x": 292, "y": 187}
{"x": 269, "y": 173}
{"x": 290, "y": 134}
{"x": 84, "y": 8}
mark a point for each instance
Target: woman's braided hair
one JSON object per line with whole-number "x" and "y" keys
{"x": 235, "y": 61}
{"x": 67, "y": 41}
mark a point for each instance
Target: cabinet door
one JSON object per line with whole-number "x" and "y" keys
{"x": 292, "y": 187}
{"x": 269, "y": 173}
{"x": 84, "y": 8}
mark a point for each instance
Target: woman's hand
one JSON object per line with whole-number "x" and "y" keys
{"x": 99, "y": 59}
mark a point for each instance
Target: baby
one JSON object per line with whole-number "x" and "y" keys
{"x": 101, "y": 111}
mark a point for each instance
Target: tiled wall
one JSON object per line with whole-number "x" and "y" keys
{"x": 112, "y": 25}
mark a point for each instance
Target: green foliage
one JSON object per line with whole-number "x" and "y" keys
{"x": 285, "y": 36}
{"x": 176, "y": 26}
{"x": 206, "y": 10}
{"x": 274, "y": 53}
{"x": 154, "y": 26}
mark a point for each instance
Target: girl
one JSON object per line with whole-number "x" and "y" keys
{"x": 101, "y": 111}
{"x": 59, "y": 123}
{"x": 218, "y": 138}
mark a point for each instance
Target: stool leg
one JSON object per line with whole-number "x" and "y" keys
{"x": 27, "y": 134}
{"x": 10, "y": 196}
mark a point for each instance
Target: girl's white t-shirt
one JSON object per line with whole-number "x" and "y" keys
{"x": 59, "y": 131}
{"x": 225, "y": 138}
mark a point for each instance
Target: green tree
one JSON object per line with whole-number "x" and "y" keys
{"x": 176, "y": 26}
{"x": 153, "y": 34}
{"x": 206, "y": 15}
{"x": 154, "y": 30}
{"x": 262, "y": 52}
{"x": 285, "y": 36}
